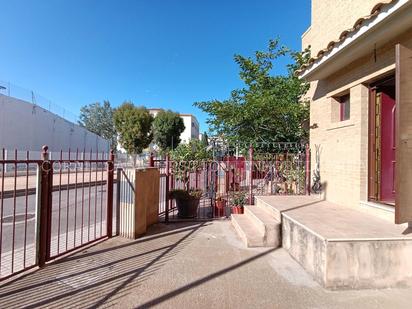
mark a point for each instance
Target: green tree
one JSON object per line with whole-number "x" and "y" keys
{"x": 133, "y": 125}
{"x": 191, "y": 152}
{"x": 98, "y": 118}
{"x": 269, "y": 107}
{"x": 205, "y": 139}
{"x": 167, "y": 127}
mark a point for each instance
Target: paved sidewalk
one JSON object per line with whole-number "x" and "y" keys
{"x": 190, "y": 265}
{"x": 64, "y": 180}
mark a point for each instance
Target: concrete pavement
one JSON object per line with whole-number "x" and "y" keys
{"x": 190, "y": 265}
{"x": 63, "y": 179}
{"x": 71, "y": 233}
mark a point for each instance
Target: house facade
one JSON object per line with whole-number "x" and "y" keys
{"x": 360, "y": 97}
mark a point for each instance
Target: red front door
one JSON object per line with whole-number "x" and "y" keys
{"x": 387, "y": 181}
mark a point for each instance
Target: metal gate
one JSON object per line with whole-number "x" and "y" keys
{"x": 51, "y": 206}
{"x": 285, "y": 170}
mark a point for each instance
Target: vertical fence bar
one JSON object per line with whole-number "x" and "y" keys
{"x": 89, "y": 196}
{"x": 14, "y": 210}
{"x": 67, "y": 201}
{"x": 95, "y": 195}
{"x": 110, "y": 174}
{"x": 75, "y": 198}
{"x": 307, "y": 168}
{"x": 101, "y": 197}
{"x": 82, "y": 228}
{"x": 118, "y": 188}
{"x": 167, "y": 185}
{"x": 44, "y": 236}
{"x": 151, "y": 160}
{"x": 251, "y": 199}
{"x": 60, "y": 199}
{"x": 3, "y": 167}
{"x": 26, "y": 209}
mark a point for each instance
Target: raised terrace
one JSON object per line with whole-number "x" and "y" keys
{"x": 341, "y": 247}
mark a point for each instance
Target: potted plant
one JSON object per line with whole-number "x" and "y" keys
{"x": 235, "y": 175}
{"x": 188, "y": 159}
{"x": 220, "y": 204}
{"x": 187, "y": 202}
{"x": 239, "y": 201}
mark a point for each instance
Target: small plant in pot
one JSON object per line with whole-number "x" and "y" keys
{"x": 187, "y": 202}
{"x": 239, "y": 201}
{"x": 220, "y": 204}
{"x": 187, "y": 160}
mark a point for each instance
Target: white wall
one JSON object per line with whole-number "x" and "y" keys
{"x": 25, "y": 126}
{"x": 191, "y": 128}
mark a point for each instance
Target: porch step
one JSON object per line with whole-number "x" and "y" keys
{"x": 257, "y": 228}
{"x": 260, "y": 202}
{"x": 247, "y": 231}
{"x": 266, "y": 223}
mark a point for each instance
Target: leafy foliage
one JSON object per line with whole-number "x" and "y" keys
{"x": 133, "y": 125}
{"x": 205, "y": 139}
{"x": 167, "y": 127}
{"x": 189, "y": 158}
{"x": 98, "y": 118}
{"x": 192, "y": 151}
{"x": 238, "y": 198}
{"x": 180, "y": 194}
{"x": 268, "y": 108}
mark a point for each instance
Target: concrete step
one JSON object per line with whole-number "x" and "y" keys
{"x": 247, "y": 231}
{"x": 261, "y": 203}
{"x": 266, "y": 223}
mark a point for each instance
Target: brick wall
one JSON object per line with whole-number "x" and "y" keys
{"x": 331, "y": 17}
{"x": 344, "y": 145}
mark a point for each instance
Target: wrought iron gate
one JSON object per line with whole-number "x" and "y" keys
{"x": 285, "y": 170}
{"x": 51, "y": 206}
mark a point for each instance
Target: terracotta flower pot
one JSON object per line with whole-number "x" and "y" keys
{"x": 237, "y": 209}
{"x": 220, "y": 206}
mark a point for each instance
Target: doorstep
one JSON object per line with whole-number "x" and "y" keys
{"x": 343, "y": 247}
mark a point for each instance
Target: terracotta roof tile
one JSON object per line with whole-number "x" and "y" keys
{"x": 344, "y": 34}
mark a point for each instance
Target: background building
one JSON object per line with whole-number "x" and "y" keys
{"x": 191, "y": 125}
{"x": 191, "y": 128}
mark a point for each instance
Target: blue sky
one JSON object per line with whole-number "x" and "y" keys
{"x": 156, "y": 53}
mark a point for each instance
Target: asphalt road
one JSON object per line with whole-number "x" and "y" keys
{"x": 72, "y": 208}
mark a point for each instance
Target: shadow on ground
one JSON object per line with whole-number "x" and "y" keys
{"x": 94, "y": 276}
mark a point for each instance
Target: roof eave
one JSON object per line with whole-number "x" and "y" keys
{"x": 388, "y": 23}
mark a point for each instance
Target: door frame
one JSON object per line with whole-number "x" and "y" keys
{"x": 374, "y": 174}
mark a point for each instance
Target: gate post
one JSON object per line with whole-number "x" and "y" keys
{"x": 45, "y": 183}
{"x": 110, "y": 176}
{"x": 307, "y": 169}
{"x": 151, "y": 160}
{"x": 118, "y": 188}
{"x": 251, "y": 199}
{"x": 167, "y": 188}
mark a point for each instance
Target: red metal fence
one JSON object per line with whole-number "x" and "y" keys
{"x": 284, "y": 172}
{"x": 51, "y": 207}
